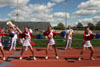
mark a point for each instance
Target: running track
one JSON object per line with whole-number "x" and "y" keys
{"x": 68, "y": 58}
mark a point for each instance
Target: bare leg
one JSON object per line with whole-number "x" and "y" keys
{"x": 2, "y": 51}
{"x": 55, "y": 52}
{"x": 47, "y": 52}
{"x": 82, "y": 51}
{"x": 23, "y": 49}
{"x": 54, "y": 46}
{"x": 31, "y": 49}
{"x": 92, "y": 52}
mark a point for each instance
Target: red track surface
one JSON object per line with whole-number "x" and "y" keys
{"x": 68, "y": 58}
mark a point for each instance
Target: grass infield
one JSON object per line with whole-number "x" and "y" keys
{"x": 60, "y": 41}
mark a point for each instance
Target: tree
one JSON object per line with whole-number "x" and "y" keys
{"x": 55, "y": 27}
{"x": 91, "y": 26}
{"x": 79, "y": 25}
{"x": 60, "y": 26}
{"x": 98, "y": 26}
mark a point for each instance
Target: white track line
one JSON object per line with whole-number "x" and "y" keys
{"x": 90, "y": 66}
{"x": 54, "y": 55}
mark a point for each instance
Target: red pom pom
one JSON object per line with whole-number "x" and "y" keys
{"x": 32, "y": 43}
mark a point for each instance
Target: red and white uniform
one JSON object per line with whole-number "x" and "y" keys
{"x": 0, "y": 40}
{"x": 69, "y": 32}
{"x": 15, "y": 35}
{"x": 27, "y": 39}
{"x": 13, "y": 41}
{"x": 51, "y": 41}
{"x": 69, "y": 38}
{"x": 1, "y": 34}
{"x": 87, "y": 43}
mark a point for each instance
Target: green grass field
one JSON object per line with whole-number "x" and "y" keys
{"x": 60, "y": 41}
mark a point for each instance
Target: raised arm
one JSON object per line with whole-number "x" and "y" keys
{"x": 33, "y": 35}
{"x": 1, "y": 34}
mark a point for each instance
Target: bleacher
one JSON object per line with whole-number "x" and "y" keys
{"x": 33, "y": 25}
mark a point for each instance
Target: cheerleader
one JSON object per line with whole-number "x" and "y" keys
{"x": 30, "y": 30}
{"x": 87, "y": 43}
{"x": 1, "y": 45}
{"x": 69, "y": 32}
{"x": 13, "y": 39}
{"x": 51, "y": 42}
{"x": 27, "y": 43}
{"x": 2, "y": 31}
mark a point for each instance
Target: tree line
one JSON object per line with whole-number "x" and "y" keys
{"x": 79, "y": 26}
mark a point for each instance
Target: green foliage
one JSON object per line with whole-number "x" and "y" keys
{"x": 98, "y": 26}
{"x": 60, "y": 26}
{"x": 91, "y": 26}
{"x": 79, "y": 25}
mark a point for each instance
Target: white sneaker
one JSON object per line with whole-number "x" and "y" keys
{"x": 79, "y": 58}
{"x": 46, "y": 57}
{"x": 57, "y": 57}
{"x": 92, "y": 58}
{"x": 4, "y": 58}
{"x": 15, "y": 49}
{"x": 34, "y": 58}
{"x": 20, "y": 58}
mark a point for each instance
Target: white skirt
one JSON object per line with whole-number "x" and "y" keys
{"x": 0, "y": 44}
{"x": 26, "y": 43}
{"x": 51, "y": 42}
{"x": 87, "y": 44}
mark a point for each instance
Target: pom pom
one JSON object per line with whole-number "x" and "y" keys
{"x": 63, "y": 33}
{"x": 39, "y": 36}
{"x": 32, "y": 43}
{"x": 11, "y": 34}
{"x": 97, "y": 35}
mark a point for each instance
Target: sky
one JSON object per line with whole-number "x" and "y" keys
{"x": 52, "y": 11}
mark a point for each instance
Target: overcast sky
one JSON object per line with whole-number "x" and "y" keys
{"x": 51, "y": 10}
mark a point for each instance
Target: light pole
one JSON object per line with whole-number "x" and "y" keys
{"x": 66, "y": 22}
{"x": 17, "y": 12}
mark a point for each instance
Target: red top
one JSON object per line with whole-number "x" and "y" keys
{"x": 88, "y": 36}
{"x": 23, "y": 35}
{"x": 47, "y": 32}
